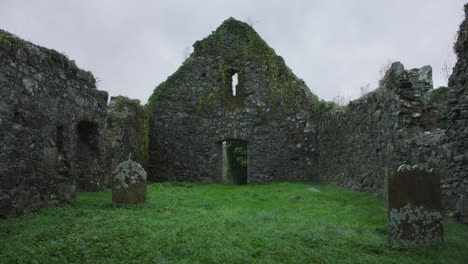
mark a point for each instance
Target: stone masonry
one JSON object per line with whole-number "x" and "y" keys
{"x": 360, "y": 142}
{"x": 397, "y": 124}
{"x": 52, "y": 120}
{"x": 196, "y": 109}
{"x": 53, "y": 124}
{"x": 456, "y": 137}
{"x": 124, "y": 132}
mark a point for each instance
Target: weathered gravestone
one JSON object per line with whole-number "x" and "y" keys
{"x": 129, "y": 183}
{"x": 414, "y": 206}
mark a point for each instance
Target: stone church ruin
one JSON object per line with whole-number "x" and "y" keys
{"x": 195, "y": 109}
{"x": 233, "y": 113}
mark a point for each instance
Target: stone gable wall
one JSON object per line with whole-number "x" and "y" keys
{"x": 57, "y": 134}
{"x": 194, "y": 110}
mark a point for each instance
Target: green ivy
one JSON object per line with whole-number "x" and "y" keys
{"x": 236, "y": 44}
{"x": 9, "y": 43}
{"x": 439, "y": 97}
{"x": 143, "y": 146}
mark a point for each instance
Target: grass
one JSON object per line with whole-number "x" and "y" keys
{"x": 195, "y": 223}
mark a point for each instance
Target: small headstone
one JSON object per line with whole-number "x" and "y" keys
{"x": 414, "y": 206}
{"x": 312, "y": 189}
{"x": 50, "y": 157}
{"x": 129, "y": 183}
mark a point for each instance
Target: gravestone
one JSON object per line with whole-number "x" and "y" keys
{"x": 129, "y": 183}
{"x": 414, "y": 206}
{"x": 50, "y": 157}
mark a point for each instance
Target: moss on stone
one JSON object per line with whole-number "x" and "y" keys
{"x": 322, "y": 106}
{"x": 10, "y": 44}
{"x": 439, "y": 97}
{"x": 143, "y": 146}
{"x": 103, "y": 96}
{"x": 460, "y": 46}
{"x": 237, "y": 44}
{"x": 388, "y": 77}
{"x": 233, "y": 39}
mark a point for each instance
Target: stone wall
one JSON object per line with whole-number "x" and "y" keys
{"x": 124, "y": 133}
{"x": 398, "y": 123}
{"x": 360, "y": 144}
{"x": 51, "y": 128}
{"x": 456, "y": 137}
{"x": 57, "y": 135}
{"x": 196, "y": 109}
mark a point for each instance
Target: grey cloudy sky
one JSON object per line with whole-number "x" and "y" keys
{"x": 336, "y": 46}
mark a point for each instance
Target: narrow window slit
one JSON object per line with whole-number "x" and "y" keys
{"x": 59, "y": 138}
{"x": 235, "y": 81}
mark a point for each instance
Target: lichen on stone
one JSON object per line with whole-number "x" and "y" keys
{"x": 128, "y": 173}
{"x": 415, "y": 225}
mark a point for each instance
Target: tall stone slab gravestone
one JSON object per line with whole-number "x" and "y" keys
{"x": 414, "y": 206}
{"x": 129, "y": 183}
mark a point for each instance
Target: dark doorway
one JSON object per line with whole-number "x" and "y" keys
{"x": 234, "y": 161}
{"x": 88, "y": 137}
{"x": 87, "y": 148}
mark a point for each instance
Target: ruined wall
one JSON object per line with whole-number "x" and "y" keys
{"x": 397, "y": 124}
{"x": 359, "y": 142}
{"x": 195, "y": 109}
{"x": 456, "y": 137}
{"x": 51, "y": 128}
{"x": 124, "y": 132}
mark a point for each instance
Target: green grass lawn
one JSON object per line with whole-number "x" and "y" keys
{"x": 195, "y": 223}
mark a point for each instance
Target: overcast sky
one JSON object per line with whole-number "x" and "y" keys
{"x": 335, "y": 46}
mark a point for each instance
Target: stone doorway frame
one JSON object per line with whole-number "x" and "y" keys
{"x": 219, "y": 159}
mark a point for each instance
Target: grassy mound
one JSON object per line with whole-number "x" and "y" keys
{"x": 193, "y": 223}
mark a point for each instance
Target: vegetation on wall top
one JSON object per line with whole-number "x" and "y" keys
{"x": 235, "y": 45}
{"x": 12, "y": 45}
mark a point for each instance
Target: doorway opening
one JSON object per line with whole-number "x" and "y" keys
{"x": 234, "y": 161}
{"x": 88, "y": 139}
{"x": 87, "y": 152}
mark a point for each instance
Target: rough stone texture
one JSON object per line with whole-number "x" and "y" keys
{"x": 456, "y": 137}
{"x": 51, "y": 128}
{"x": 195, "y": 109}
{"x": 124, "y": 131}
{"x": 129, "y": 183}
{"x": 395, "y": 124}
{"x": 414, "y": 206}
{"x": 53, "y": 121}
{"x": 360, "y": 142}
